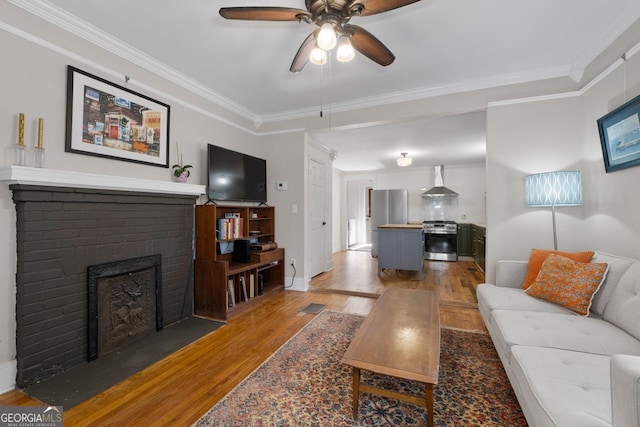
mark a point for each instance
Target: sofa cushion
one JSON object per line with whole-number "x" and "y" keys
{"x": 568, "y": 283}
{"x": 625, "y": 389}
{"x": 617, "y": 267}
{"x": 562, "y": 387}
{"x": 538, "y": 256}
{"x": 563, "y": 331}
{"x": 491, "y": 297}
{"x": 623, "y": 309}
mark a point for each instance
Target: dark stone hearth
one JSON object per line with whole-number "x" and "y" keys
{"x": 62, "y": 231}
{"x": 125, "y": 303}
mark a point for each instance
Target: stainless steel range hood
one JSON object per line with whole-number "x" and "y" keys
{"x": 439, "y": 190}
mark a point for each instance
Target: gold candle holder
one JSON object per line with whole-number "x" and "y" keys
{"x": 38, "y": 151}
{"x": 19, "y": 156}
{"x": 40, "y": 124}
{"x": 21, "y": 129}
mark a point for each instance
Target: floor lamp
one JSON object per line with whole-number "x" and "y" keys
{"x": 561, "y": 188}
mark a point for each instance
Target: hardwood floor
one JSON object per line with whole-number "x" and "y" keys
{"x": 180, "y": 388}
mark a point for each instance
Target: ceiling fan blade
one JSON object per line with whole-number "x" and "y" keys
{"x": 259, "y": 13}
{"x": 302, "y": 57}
{"x": 368, "y": 45}
{"x": 371, "y": 7}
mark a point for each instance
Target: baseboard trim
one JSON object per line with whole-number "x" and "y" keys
{"x": 8, "y": 372}
{"x": 300, "y": 284}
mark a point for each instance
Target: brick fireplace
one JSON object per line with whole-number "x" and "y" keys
{"x": 61, "y": 232}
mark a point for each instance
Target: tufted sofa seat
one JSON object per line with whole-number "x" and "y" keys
{"x": 568, "y": 370}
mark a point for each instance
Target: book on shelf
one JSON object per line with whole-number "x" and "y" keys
{"x": 252, "y": 286}
{"x": 231, "y": 293}
{"x": 230, "y": 228}
{"x": 244, "y": 288}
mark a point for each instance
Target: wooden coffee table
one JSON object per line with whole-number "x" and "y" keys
{"x": 400, "y": 337}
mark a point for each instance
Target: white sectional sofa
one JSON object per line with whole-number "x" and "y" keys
{"x": 568, "y": 370}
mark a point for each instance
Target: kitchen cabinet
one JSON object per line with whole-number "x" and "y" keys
{"x": 465, "y": 247}
{"x": 400, "y": 247}
{"x": 478, "y": 242}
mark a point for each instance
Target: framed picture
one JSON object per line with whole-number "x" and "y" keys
{"x": 620, "y": 136}
{"x": 107, "y": 120}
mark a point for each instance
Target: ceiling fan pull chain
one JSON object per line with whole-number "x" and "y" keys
{"x": 321, "y": 89}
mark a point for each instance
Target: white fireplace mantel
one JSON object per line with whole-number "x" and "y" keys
{"x": 59, "y": 178}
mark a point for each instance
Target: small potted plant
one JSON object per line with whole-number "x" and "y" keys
{"x": 180, "y": 170}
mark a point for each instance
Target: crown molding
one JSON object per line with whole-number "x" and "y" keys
{"x": 620, "y": 61}
{"x": 59, "y": 17}
{"x": 624, "y": 21}
{"x": 51, "y": 13}
{"x": 428, "y": 92}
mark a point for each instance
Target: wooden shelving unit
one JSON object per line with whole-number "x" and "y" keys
{"x": 217, "y": 276}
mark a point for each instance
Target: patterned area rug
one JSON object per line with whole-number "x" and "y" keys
{"x": 304, "y": 383}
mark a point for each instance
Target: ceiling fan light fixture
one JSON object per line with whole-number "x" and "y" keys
{"x": 345, "y": 51}
{"x": 318, "y": 56}
{"x": 327, "y": 37}
{"x": 404, "y": 161}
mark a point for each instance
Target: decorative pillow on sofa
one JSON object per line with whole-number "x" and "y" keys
{"x": 568, "y": 283}
{"x": 539, "y": 255}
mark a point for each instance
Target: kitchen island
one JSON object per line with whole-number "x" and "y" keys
{"x": 400, "y": 246}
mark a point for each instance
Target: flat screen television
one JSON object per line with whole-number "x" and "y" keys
{"x": 234, "y": 176}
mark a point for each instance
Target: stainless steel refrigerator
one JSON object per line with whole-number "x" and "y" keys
{"x": 387, "y": 207}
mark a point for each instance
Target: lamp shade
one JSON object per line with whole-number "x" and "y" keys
{"x": 561, "y": 188}
{"x": 326, "y": 38}
{"x": 318, "y": 56}
{"x": 345, "y": 49}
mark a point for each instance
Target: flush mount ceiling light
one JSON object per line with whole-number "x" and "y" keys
{"x": 404, "y": 161}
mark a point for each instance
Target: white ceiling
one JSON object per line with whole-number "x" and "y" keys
{"x": 441, "y": 46}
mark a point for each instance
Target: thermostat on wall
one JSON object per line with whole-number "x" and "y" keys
{"x": 282, "y": 186}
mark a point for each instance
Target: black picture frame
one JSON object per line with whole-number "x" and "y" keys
{"x": 108, "y": 120}
{"x": 620, "y": 136}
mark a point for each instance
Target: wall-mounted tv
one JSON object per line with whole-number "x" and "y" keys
{"x": 235, "y": 176}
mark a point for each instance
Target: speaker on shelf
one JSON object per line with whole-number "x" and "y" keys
{"x": 260, "y": 284}
{"x": 241, "y": 251}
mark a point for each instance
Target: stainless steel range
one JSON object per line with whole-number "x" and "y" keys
{"x": 440, "y": 240}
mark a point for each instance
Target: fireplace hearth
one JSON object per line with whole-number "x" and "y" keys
{"x": 125, "y": 303}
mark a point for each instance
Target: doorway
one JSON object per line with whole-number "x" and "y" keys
{"x": 318, "y": 222}
{"x": 358, "y": 215}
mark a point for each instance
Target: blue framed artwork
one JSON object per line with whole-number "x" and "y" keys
{"x": 620, "y": 136}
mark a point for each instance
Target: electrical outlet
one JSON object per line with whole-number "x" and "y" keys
{"x": 293, "y": 262}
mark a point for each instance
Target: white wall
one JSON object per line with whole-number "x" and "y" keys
{"x": 338, "y": 239}
{"x": 467, "y": 180}
{"x": 540, "y": 135}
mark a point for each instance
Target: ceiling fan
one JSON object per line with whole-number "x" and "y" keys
{"x": 332, "y": 16}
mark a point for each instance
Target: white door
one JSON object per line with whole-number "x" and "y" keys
{"x": 317, "y": 219}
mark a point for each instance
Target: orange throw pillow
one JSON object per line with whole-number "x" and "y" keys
{"x": 539, "y": 255}
{"x": 568, "y": 283}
